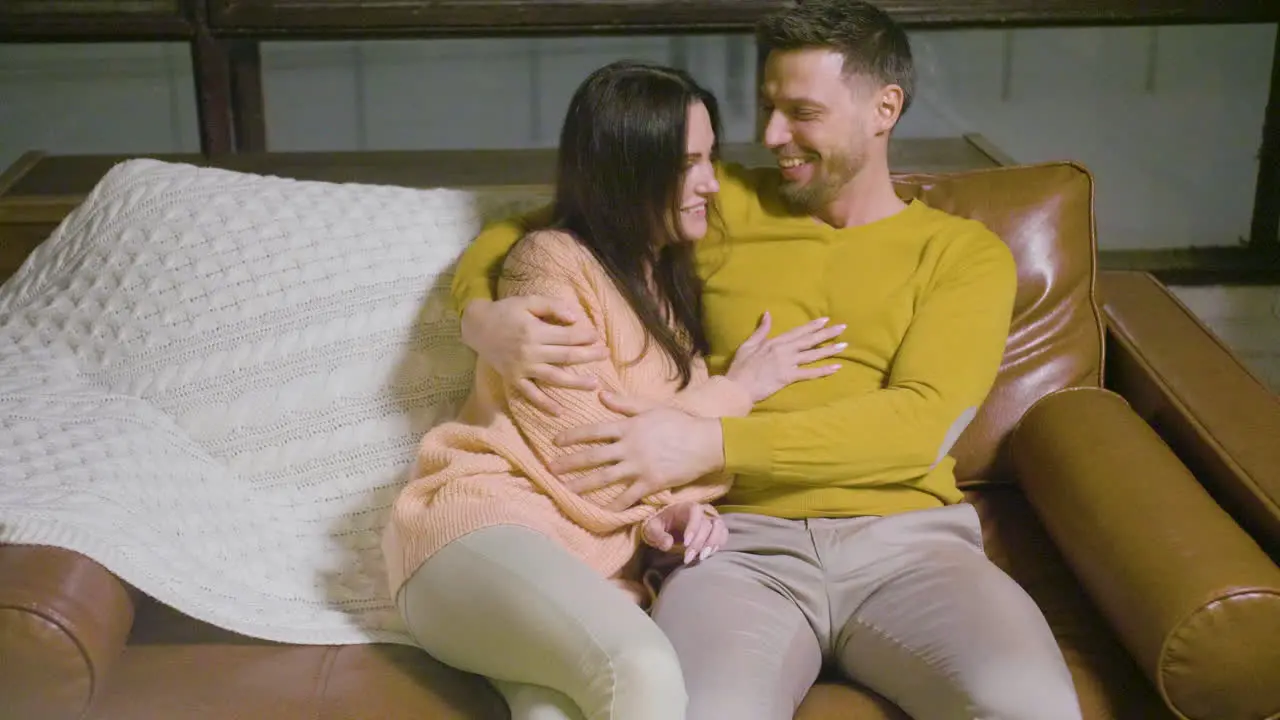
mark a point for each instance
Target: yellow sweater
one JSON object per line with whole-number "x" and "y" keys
{"x": 928, "y": 299}
{"x": 489, "y": 466}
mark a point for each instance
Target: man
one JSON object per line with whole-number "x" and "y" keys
{"x": 849, "y": 544}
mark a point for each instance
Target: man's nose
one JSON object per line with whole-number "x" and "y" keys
{"x": 776, "y": 131}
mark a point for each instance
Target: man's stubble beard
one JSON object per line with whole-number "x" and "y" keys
{"x": 835, "y": 172}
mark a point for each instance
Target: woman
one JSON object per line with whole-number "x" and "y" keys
{"x": 499, "y": 569}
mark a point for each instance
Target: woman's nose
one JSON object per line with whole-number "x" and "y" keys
{"x": 708, "y": 183}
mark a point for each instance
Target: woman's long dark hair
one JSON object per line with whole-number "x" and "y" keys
{"x": 622, "y": 156}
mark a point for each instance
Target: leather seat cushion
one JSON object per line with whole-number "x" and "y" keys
{"x": 206, "y": 672}
{"x": 178, "y": 667}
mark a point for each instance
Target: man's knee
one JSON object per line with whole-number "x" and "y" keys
{"x": 1023, "y": 688}
{"x": 740, "y": 700}
{"x": 1023, "y": 675}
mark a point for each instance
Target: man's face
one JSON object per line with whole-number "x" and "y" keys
{"x": 819, "y": 124}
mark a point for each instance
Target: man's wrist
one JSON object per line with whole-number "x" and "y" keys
{"x": 467, "y": 320}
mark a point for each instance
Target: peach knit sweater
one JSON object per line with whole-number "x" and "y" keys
{"x": 489, "y": 465}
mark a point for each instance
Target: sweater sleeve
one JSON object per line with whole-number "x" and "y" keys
{"x": 480, "y": 263}
{"x": 552, "y": 264}
{"x": 945, "y": 366}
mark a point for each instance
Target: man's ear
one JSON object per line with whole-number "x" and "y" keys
{"x": 887, "y": 108}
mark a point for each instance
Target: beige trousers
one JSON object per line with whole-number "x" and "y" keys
{"x": 906, "y": 604}
{"x": 554, "y": 637}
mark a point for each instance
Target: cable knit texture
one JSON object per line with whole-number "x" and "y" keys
{"x": 489, "y": 466}
{"x": 215, "y": 383}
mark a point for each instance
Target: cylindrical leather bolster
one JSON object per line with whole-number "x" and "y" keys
{"x": 64, "y": 619}
{"x": 1189, "y": 593}
{"x": 1217, "y": 416}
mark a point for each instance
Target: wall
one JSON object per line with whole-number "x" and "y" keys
{"x": 1168, "y": 119}
{"x": 125, "y": 98}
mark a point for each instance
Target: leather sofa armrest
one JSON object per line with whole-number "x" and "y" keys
{"x": 1216, "y": 415}
{"x": 1189, "y": 593}
{"x": 64, "y": 619}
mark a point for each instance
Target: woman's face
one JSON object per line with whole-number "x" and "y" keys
{"x": 698, "y": 183}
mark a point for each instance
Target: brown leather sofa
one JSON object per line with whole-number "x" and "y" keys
{"x": 1126, "y": 468}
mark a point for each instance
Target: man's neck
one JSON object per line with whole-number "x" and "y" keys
{"x": 866, "y": 198}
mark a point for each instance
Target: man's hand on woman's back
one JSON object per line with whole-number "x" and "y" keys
{"x": 649, "y": 449}
{"x": 528, "y": 340}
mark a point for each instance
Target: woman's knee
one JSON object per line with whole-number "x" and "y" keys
{"x": 647, "y": 679}
{"x": 535, "y": 702}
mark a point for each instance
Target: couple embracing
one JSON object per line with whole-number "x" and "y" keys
{"x": 706, "y": 452}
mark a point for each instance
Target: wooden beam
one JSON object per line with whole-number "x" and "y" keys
{"x": 421, "y": 18}
{"x": 1264, "y": 234}
{"x": 1003, "y": 13}
{"x": 425, "y": 18}
{"x": 211, "y": 70}
{"x": 62, "y": 176}
{"x": 93, "y": 20}
{"x": 101, "y": 20}
{"x": 248, "y": 108}
{"x": 19, "y": 169}
{"x": 1234, "y": 265}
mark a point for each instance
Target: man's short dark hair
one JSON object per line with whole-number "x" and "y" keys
{"x": 872, "y": 43}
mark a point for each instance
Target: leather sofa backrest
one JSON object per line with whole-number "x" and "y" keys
{"x": 1045, "y": 214}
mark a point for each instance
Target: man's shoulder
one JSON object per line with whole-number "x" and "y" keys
{"x": 965, "y": 240}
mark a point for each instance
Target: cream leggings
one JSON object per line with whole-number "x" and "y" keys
{"x": 558, "y": 641}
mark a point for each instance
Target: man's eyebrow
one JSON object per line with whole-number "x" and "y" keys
{"x": 793, "y": 100}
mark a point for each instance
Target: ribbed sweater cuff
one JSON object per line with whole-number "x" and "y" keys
{"x": 748, "y": 445}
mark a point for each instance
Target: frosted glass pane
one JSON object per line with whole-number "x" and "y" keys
{"x": 96, "y": 98}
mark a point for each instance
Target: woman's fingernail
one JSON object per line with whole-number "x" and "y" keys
{"x": 688, "y": 556}
{"x": 841, "y": 346}
{"x": 706, "y": 553}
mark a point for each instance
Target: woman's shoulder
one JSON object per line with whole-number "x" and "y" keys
{"x": 552, "y": 249}
{"x": 550, "y": 260}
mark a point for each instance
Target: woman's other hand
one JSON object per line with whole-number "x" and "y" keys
{"x": 695, "y": 527}
{"x": 764, "y": 365}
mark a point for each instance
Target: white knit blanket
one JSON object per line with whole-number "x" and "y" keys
{"x": 212, "y": 383}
